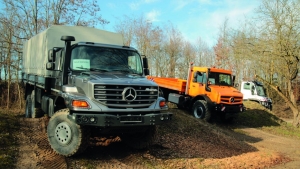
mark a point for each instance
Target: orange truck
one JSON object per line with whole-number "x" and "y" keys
{"x": 206, "y": 92}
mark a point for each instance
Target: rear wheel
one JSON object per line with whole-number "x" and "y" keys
{"x": 201, "y": 110}
{"x": 66, "y": 137}
{"x": 36, "y": 111}
{"x": 28, "y": 110}
{"x": 141, "y": 140}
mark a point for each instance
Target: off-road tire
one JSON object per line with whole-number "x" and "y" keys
{"x": 66, "y": 137}
{"x": 28, "y": 107}
{"x": 36, "y": 112}
{"x": 141, "y": 140}
{"x": 201, "y": 110}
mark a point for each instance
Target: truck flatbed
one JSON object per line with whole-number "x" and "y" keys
{"x": 170, "y": 83}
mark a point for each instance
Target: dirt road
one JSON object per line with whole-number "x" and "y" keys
{"x": 184, "y": 143}
{"x": 290, "y": 148}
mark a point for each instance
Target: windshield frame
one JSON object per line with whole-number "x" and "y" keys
{"x": 88, "y": 58}
{"x": 220, "y": 79}
{"x": 260, "y": 91}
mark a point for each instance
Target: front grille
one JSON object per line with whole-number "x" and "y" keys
{"x": 114, "y": 96}
{"x": 228, "y": 100}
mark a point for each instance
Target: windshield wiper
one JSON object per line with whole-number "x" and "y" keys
{"x": 98, "y": 69}
{"x": 122, "y": 70}
{"x": 93, "y": 69}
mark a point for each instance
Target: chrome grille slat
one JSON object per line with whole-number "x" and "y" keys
{"x": 111, "y": 96}
{"x": 237, "y": 100}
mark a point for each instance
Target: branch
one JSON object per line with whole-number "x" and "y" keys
{"x": 278, "y": 90}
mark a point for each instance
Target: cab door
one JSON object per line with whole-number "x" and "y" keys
{"x": 197, "y": 84}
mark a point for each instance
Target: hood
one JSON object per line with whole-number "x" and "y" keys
{"x": 226, "y": 90}
{"x": 111, "y": 78}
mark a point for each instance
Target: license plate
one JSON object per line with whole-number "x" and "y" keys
{"x": 127, "y": 119}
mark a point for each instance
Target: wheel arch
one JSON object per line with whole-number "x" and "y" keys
{"x": 201, "y": 97}
{"x": 59, "y": 103}
{"x": 28, "y": 90}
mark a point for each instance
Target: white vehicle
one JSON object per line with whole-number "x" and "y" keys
{"x": 255, "y": 91}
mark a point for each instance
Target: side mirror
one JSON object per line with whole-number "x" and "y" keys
{"x": 146, "y": 72}
{"x": 51, "y": 55}
{"x": 145, "y": 63}
{"x": 50, "y": 66}
{"x": 233, "y": 78}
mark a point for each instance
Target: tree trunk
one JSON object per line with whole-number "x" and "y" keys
{"x": 293, "y": 107}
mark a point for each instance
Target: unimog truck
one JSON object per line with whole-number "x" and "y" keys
{"x": 207, "y": 92}
{"x": 90, "y": 85}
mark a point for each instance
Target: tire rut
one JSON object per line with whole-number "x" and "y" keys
{"x": 35, "y": 151}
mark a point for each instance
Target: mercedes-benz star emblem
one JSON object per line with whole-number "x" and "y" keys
{"x": 231, "y": 99}
{"x": 129, "y": 94}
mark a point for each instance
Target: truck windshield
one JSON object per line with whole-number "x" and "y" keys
{"x": 260, "y": 91}
{"x": 90, "y": 58}
{"x": 216, "y": 78}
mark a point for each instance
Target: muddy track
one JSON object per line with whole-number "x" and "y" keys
{"x": 35, "y": 151}
{"x": 184, "y": 143}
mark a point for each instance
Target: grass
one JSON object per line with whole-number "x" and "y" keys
{"x": 8, "y": 143}
{"x": 257, "y": 116}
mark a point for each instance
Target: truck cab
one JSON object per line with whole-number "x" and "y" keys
{"x": 205, "y": 91}
{"x": 217, "y": 87}
{"x": 90, "y": 85}
{"x": 255, "y": 91}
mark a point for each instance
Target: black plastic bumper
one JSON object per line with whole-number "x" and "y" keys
{"x": 109, "y": 120}
{"x": 229, "y": 108}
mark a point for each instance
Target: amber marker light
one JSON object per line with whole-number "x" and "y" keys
{"x": 162, "y": 103}
{"x": 80, "y": 103}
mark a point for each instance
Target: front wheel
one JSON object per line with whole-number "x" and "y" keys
{"x": 201, "y": 110}
{"x": 141, "y": 140}
{"x": 66, "y": 137}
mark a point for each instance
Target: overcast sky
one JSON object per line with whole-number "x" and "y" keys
{"x": 193, "y": 18}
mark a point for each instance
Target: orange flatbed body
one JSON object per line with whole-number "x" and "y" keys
{"x": 170, "y": 83}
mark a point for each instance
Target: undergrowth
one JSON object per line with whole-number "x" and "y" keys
{"x": 8, "y": 141}
{"x": 257, "y": 116}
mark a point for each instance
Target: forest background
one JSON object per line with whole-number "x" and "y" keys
{"x": 266, "y": 45}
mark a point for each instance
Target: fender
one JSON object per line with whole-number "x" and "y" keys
{"x": 202, "y": 97}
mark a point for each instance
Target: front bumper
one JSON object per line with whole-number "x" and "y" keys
{"x": 229, "y": 108}
{"x": 109, "y": 120}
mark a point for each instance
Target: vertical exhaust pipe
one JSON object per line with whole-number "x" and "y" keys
{"x": 67, "y": 57}
{"x": 189, "y": 78}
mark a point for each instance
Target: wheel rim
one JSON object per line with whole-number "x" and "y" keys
{"x": 63, "y": 133}
{"x": 198, "y": 112}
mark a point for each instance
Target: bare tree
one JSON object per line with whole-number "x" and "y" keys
{"x": 173, "y": 47}
{"x": 279, "y": 41}
{"x": 189, "y": 55}
{"x": 21, "y": 20}
{"x": 204, "y": 55}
